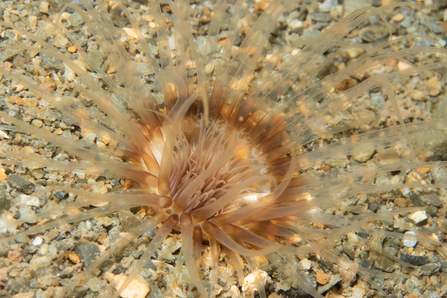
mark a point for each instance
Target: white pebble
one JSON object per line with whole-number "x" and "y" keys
{"x": 69, "y": 74}
{"x": 306, "y": 264}
{"x": 43, "y": 7}
{"x": 410, "y": 239}
{"x": 249, "y": 280}
{"x": 81, "y": 175}
{"x": 136, "y": 289}
{"x": 418, "y": 216}
{"x": 37, "y": 241}
{"x": 295, "y": 24}
{"x": 30, "y": 201}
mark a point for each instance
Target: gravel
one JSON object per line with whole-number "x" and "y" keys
{"x": 36, "y": 267}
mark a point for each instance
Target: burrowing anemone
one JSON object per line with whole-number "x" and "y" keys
{"x": 247, "y": 149}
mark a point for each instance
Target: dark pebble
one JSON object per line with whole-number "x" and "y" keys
{"x": 5, "y": 204}
{"x": 119, "y": 270}
{"x": 432, "y": 211}
{"x": 432, "y": 199}
{"x": 105, "y": 265}
{"x": 429, "y": 269}
{"x": 326, "y": 264}
{"x": 22, "y": 185}
{"x": 61, "y": 195}
{"x": 416, "y": 200}
{"x": 128, "y": 220}
{"x": 49, "y": 62}
{"x": 415, "y": 260}
{"x": 374, "y": 206}
{"x": 365, "y": 263}
{"x": 87, "y": 252}
{"x": 444, "y": 265}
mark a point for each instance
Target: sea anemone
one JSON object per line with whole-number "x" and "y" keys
{"x": 261, "y": 150}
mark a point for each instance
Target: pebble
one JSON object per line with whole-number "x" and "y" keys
{"x": 431, "y": 199}
{"x": 15, "y": 256}
{"x": 430, "y": 268}
{"x": 328, "y": 5}
{"x": 399, "y": 17}
{"x": 136, "y": 288}
{"x": 168, "y": 247}
{"x": 95, "y": 284}
{"x": 311, "y": 33}
{"x": 96, "y": 56}
{"x": 415, "y": 260}
{"x": 144, "y": 68}
{"x": 20, "y": 183}
{"x": 401, "y": 66}
{"x": 26, "y": 212}
{"x": 87, "y": 252}
{"x": 434, "y": 280}
{"x": 433, "y": 26}
{"x": 51, "y": 63}
{"x": 306, "y": 264}
{"x": 433, "y": 86}
{"x": 407, "y": 24}
{"x": 90, "y": 137}
{"x": 60, "y": 41}
{"x": 415, "y": 199}
{"x": 76, "y": 19}
{"x": 321, "y": 17}
{"x": 410, "y": 285}
{"x": 442, "y": 224}
{"x": 363, "y": 156}
{"x": 43, "y": 7}
{"x": 353, "y": 238}
{"x": 383, "y": 263}
{"x": 148, "y": 18}
{"x": 100, "y": 188}
{"x": 32, "y": 21}
{"x": 40, "y": 262}
{"x": 69, "y": 74}
{"x": 5, "y": 203}
{"x": 80, "y": 175}
{"x": 295, "y": 24}
{"x": 418, "y": 95}
{"x": 261, "y": 261}
{"x": 104, "y": 221}
{"x": 248, "y": 284}
{"x": 350, "y": 6}
{"x": 374, "y": 33}
{"x": 440, "y": 108}
{"x": 30, "y": 201}
{"x": 385, "y": 157}
{"x": 30, "y": 102}
{"x": 73, "y": 256}
{"x": 337, "y": 163}
{"x": 37, "y": 241}
{"x": 354, "y": 52}
{"x": 323, "y": 278}
{"x": 334, "y": 280}
{"x": 261, "y": 5}
{"x": 128, "y": 220}
{"x": 418, "y": 216}
{"x": 2, "y": 173}
{"x": 410, "y": 239}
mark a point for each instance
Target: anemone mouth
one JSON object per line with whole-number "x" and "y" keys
{"x": 229, "y": 169}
